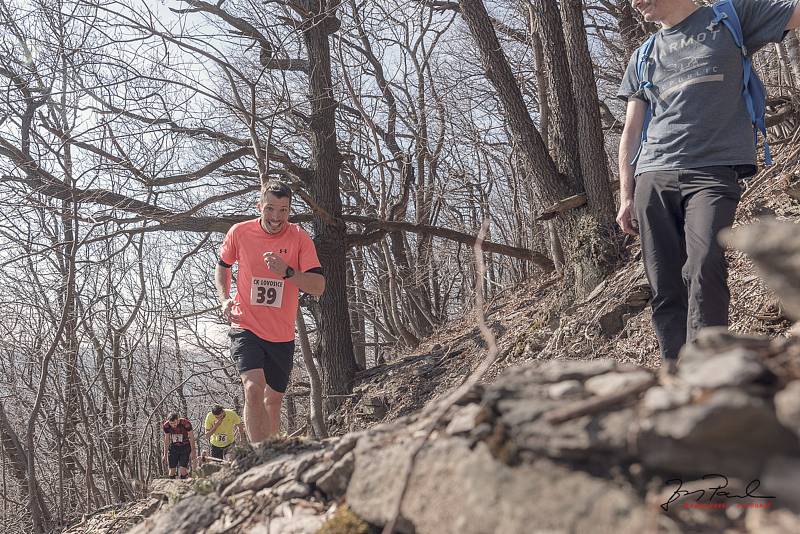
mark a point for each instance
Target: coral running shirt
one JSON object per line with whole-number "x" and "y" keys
{"x": 265, "y": 303}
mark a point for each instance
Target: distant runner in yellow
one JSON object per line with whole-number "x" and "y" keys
{"x": 221, "y": 424}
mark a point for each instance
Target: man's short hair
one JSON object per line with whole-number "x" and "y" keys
{"x": 277, "y": 188}
{"x": 217, "y": 410}
{"x": 172, "y": 416}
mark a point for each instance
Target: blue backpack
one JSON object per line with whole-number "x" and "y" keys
{"x": 755, "y": 95}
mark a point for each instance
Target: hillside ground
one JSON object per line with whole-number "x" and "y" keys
{"x": 532, "y": 321}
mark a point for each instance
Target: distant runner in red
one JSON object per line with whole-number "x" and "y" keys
{"x": 276, "y": 260}
{"x": 179, "y": 444}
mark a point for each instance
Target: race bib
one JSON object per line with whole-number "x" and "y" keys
{"x": 222, "y": 438}
{"x": 177, "y": 438}
{"x": 266, "y": 292}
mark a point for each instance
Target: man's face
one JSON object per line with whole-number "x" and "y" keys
{"x": 220, "y": 416}
{"x": 652, "y": 10}
{"x": 274, "y": 213}
{"x": 174, "y": 424}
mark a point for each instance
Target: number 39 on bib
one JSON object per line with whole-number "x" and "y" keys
{"x": 266, "y": 292}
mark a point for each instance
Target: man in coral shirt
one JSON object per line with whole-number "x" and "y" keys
{"x": 276, "y": 260}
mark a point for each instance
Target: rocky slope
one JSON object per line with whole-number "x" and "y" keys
{"x": 556, "y": 446}
{"x": 571, "y": 431}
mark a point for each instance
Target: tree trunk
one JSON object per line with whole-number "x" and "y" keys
{"x": 541, "y": 78}
{"x": 407, "y": 283}
{"x": 563, "y": 123}
{"x": 792, "y": 45}
{"x": 317, "y": 413}
{"x": 355, "y": 270}
{"x": 336, "y": 344}
{"x": 291, "y": 414}
{"x": 590, "y": 139}
{"x": 553, "y": 241}
{"x": 424, "y": 201}
{"x": 116, "y": 444}
{"x": 394, "y": 300}
{"x": 601, "y": 235}
{"x": 520, "y": 224}
{"x": 585, "y": 268}
{"x": 16, "y": 454}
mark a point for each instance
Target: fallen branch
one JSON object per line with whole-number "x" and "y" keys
{"x": 204, "y": 457}
{"x": 569, "y": 203}
{"x": 299, "y": 432}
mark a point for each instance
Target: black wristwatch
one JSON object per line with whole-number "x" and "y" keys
{"x": 289, "y": 273}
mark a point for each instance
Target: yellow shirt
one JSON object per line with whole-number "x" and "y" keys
{"x": 223, "y": 435}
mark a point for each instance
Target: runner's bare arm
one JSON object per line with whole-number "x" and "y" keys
{"x": 222, "y": 281}
{"x": 311, "y": 283}
{"x": 794, "y": 20}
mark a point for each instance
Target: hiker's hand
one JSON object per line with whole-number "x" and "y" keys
{"x": 625, "y": 218}
{"x": 225, "y": 307}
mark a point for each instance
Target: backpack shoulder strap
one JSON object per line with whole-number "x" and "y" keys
{"x": 752, "y": 88}
{"x": 725, "y": 13}
{"x": 642, "y": 75}
{"x": 642, "y": 59}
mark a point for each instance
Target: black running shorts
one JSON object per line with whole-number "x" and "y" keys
{"x": 179, "y": 456}
{"x": 251, "y": 352}
{"x": 218, "y": 452}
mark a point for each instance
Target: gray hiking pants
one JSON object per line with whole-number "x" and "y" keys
{"x": 680, "y": 214}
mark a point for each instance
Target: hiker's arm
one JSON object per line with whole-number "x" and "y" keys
{"x": 166, "y": 446}
{"x": 628, "y": 146}
{"x": 214, "y": 427}
{"x": 794, "y": 20}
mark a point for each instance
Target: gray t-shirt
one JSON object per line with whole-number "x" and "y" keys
{"x": 700, "y": 118}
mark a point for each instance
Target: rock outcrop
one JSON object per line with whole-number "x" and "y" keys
{"x": 556, "y": 446}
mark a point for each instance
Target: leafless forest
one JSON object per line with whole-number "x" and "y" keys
{"x": 133, "y": 133}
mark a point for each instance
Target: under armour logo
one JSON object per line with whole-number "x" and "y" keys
{"x": 283, "y": 250}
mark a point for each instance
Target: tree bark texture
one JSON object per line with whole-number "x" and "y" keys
{"x": 792, "y": 45}
{"x": 593, "y": 160}
{"x": 551, "y": 187}
{"x": 336, "y": 345}
{"x": 563, "y": 122}
{"x": 574, "y": 228}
